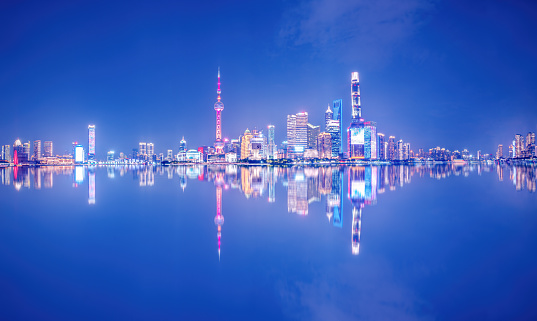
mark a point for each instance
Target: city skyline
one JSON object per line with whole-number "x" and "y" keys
{"x": 431, "y": 75}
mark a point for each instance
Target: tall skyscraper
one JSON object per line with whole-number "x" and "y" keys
{"x": 91, "y": 142}
{"x": 48, "y": 149}
{"x": 355, "y": 96}
{"x": 380, "y": 145}
{"x": 297, "y": 134}
{"x": 150, "y": 151}
{"x": 291, "y": 135}
{"x": 519, "y": 146}
{"x": 245, "y": 144}
{"x": 182, "y": 145}
{"x": 324, "y": 145}
{"x": 335, "y": 137}
{"x": 499, "y": 152}
{"x": 338, "y": 115}
{"x": 6, "y": 153}
{"x": 37, "y": 149}
{"x": 370, "y": 140}
{"x": 271, "y": 142}
{"x": 27, "y": 153}
{"x": 218, "y": 106}
{"x": 392, "y": 149}
{"x": 142, "y": 150}
{"x": 313, "y": 132}
{"x": 328, "y": 116}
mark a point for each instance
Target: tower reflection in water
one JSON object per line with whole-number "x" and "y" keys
{"x": 305, "y": 185}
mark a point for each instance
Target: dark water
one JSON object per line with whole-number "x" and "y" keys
{"x": 335, "y": 243}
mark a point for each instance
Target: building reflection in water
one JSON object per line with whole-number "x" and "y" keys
{"x": 305, "y": 185}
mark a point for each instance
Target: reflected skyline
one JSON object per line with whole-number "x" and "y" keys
{"x": 305, "y": 185}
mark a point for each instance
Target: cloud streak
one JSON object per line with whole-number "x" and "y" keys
{"x": 353, "y": 29}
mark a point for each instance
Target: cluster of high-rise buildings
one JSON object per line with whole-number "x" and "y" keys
{"x": 303, "y": 141}
{"x": 519, "y": 148}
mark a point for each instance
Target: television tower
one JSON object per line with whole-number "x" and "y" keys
{"x": 218, "y": 106}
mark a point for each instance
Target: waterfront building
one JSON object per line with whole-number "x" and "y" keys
{"x": 150, "y": 152}
{"x": 79, "y": 154}
{"x": 48, "y": 149}
{"x": 193, "y": 155}
{"x": 512, "y": 150}
{"x": 338, "y": 116}
{"x": 391, "y": 148}
{"x": 499, "y": 152}
{"x": 257, "y": 145}
{"x": 519, "y": 146}
{"x": 6, "y": 153}
{"x": 297, "y": 134}
{"x": 530, "y": 144}
{"x": 236, "y": 146}
{"x": 182, "y": 145}
{"x": 356, "y": 139}
{"x": 169, "y": 155}
{"x": 370, "y": 140}
{"x": 27, "y": 153}
{"x": 110, "y": 156}
{"x": 400, "y": 155}
{"x": 381, "y": 146}
{"x": 142, "y": 151}
{"x": 328, "y": 116}
{"x": 335, "y": 136}
{"x": 313, "y": 132}
{"x": 245, "y": 144}
{"x": 91, "y": 142}
{"x": 218, "y": 107}
{"x": 37, "y": 150}
{"x": 271, "y": 143}
{"x": 355, "y": 97}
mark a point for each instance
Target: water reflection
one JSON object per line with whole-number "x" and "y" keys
{"x": 304, "y": 185}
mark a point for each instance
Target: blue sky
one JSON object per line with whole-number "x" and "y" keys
{"x": 456, "y": 74}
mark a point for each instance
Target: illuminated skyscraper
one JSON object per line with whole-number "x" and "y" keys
{"x": 182, "y": 145}
{"x": 519, "y": 146}
{"x": 26, "y": 147}
{"x": 91, "y": 142}
{"x": 142, "y": 150}
{"x": 48, "y": 149}
{"x": 37, "y": 150}
{"x": 324, "y": 145}
{"x": 150, "y": 151}
{"x": 334, "y": 130}
{"x": 6, "y": 153}
{"x": 271, "y": 143}
{"x": 218, "y": 106}
{"x": 328, "y": 116}
{"x": 169, "y": 155}
{"x": 370, "y": 140}
{"x": 313, "y": 132}
{"x": 380, "y": 146}
{"x": 392, "y": 154}
{"x": 297, "y": 134}
{"x": 79, "y": 154}
{"x": 355, "y": 97}
{"x": 245, "y": 144}
{"x": 338, "y": 116}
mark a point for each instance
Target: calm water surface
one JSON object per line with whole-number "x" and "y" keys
{"x": 257, "y": 243}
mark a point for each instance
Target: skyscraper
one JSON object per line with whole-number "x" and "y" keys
{"x": 370, "y": 140}
{"x": 91, "y": 142}
{"x": 392, "y": 154}
{"x": 355, "y": 96}
{"x": 519, "y": 146}
{"x": 324, "y": 145}
{"x": 297, "y": 134}
{"x": 380, "y": 145}
{"x": 313, "y": 132}
{"x": 48, "y": 149}
{"x": 182, "y": 145}
{"x": 6, "y": 153}
{"x": 499, "y": 152}
{"x": 150, "y": 151}
{"x": 142, "y": 150}
{"x": 271, "y": 143}
{"x": 218, "y": 106}
{"x": 328, "y": 116}
{"x": 291, "y": 135}
{"x": 245, "y": 144}
{"x": 26, "y": 147}
{"x": 335, "y": 137}
{"x": 338, "y": 115}
{"x": 37, "y": 149}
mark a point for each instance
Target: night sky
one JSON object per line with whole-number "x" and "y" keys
{"x": 456, "y": 74}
